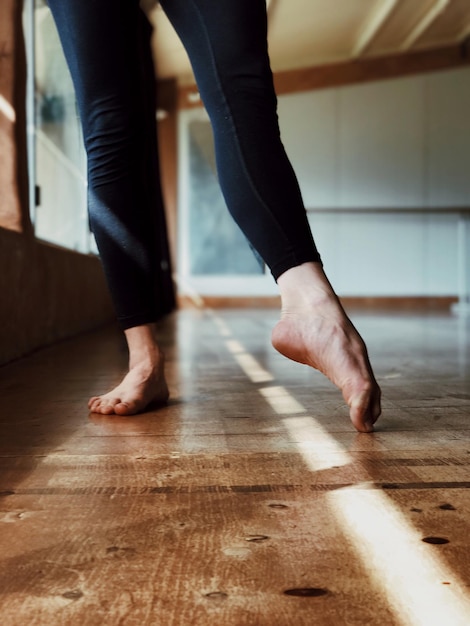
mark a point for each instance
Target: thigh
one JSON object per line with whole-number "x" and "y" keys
{"x": 99, "y": 40}
{"x": 224, "y": 38}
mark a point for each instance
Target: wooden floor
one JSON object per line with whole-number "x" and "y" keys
{"x": 249, "y": 500}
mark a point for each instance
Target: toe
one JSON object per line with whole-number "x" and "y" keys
{"x": 104, "y": 406}
{"x": 126, "y": 408}
{"x": 92, "y": 401}
{"x": 361, "y": 413}
{"x": 94, "y": 405}
{"x": 107, "y": 407}
{"x": 365, "y": 409}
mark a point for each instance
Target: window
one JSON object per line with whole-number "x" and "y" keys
{"x": 57, "y": 161}
{"x": 215, "y": 257}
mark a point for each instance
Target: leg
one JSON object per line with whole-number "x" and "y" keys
{"x": 226, "y": 42}
{"x": 103, "y": 43}
{"x": 145, "y": 382}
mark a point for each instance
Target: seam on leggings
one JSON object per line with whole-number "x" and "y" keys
{"x": 237, "y": 142}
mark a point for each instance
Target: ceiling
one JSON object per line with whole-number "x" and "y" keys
{"x": 305, "y": 33}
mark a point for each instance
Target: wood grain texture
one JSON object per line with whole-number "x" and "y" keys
{"x": 209, "y": 510}
{"x": 422, "y": 304}
{"x": 371, "y": 69}
{"x": 47, "y": 294}
{"x": 14, "y": 213}
{"x": 167, "y": 93}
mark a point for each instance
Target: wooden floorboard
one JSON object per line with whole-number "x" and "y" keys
{"x": 249, "y": 500}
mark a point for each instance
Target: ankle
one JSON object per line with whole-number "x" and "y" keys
{"x": 143, "y": 347}
{"x": 305, "y": 287}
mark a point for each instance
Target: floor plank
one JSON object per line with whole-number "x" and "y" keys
{"x": 249, "y": 499}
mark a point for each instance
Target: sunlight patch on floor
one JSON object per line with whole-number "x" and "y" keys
{"x": 250, "y": 366}
{"x": 281, "y": 401}
{"x": 420, "y": 588}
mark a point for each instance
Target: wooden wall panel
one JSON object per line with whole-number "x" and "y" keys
{"x": 167, "y": 98}
{"x": 14, "y": 213}
{"x": 46, "y": 293}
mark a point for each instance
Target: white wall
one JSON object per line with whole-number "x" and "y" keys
{"x": 400, "y": 143}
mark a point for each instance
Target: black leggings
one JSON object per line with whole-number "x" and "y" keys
{"x": 107, "y": 50}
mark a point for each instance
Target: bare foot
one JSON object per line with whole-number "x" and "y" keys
{"x": 315, "y": 330}
{"x": 143, "y": 384}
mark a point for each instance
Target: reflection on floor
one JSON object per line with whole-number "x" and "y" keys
{"x": 249, "y": 500}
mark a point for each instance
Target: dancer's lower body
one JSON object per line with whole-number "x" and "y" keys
{"x": 226, "y": 42}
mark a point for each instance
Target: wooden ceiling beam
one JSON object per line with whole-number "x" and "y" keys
{"x": 373, "y": 26}
{"x": 370, "y": 69}
{"x": 424, "y": 23}
{"x": 352, "y": 72}
{"x": 464, "y": 33}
